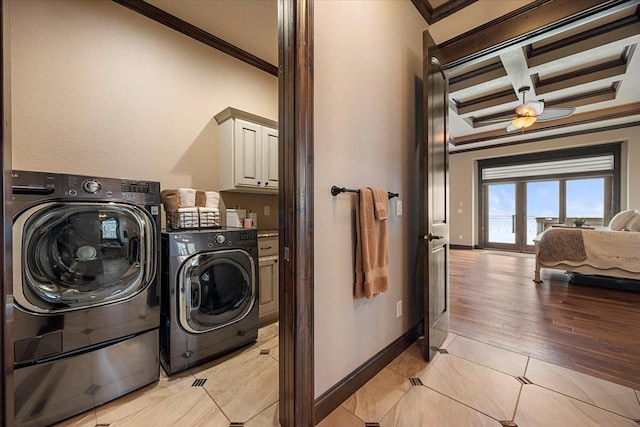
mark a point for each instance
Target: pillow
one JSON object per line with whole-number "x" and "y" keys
{"x": 619, "y": 221}
{"x": 634, "y": 223}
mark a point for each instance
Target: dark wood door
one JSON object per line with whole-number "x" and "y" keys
{"x": 436, "y": 176}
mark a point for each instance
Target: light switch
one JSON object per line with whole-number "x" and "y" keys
{"x": 459, "y": 211}
{"x": 399, "y": 208}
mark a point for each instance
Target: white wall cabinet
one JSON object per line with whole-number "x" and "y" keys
{"x": 269, "y": 283}
{"x": 248, "y": 152}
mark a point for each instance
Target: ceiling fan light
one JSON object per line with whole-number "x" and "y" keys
{"x": 522, "y": 122}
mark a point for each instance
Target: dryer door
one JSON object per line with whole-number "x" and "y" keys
{"x": 216, "y": 289}
{"x": 69, "y": 256}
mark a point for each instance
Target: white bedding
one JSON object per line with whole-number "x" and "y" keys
{"x": 607, "y": 253}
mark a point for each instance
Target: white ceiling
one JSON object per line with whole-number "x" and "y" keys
{"x": 252, "y": 26}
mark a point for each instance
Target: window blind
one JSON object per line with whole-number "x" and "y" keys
{"x": 555, "y": 167}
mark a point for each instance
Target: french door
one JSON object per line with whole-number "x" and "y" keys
{"x": 515, "y": 212}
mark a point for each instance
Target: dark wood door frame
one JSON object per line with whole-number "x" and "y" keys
{"x": 296, "y": 212}
{"x": 6, "y": 312}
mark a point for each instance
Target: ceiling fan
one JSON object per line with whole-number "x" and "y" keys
{"x": 534, "y": 111}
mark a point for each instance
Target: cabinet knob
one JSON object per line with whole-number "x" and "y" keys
{"x": 266, "y": 183}
{"x": 259, "y": 182}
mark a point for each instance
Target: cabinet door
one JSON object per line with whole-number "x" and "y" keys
{"x": 248, "y": 153}
{"x": 270, "y": 157}
{"x": 268, "y": 294}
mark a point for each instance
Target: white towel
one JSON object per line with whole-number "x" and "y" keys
{"x": 209, "y": 217}
{"x": 187, "y": 197}
{"x": 188, "y": 218}
{"x": 213, "y": 199}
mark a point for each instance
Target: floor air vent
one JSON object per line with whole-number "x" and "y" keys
{"x": 524, "y": 380}
{"x": 236, "y": 424}
{"x": 263, "y": 352}
{"x": 199, "y": 382}
{"x": 508, "y": 424}
{"x": 416, "y": 381}
{"x": 371, "y": 424}
{"x": 442, "y": 351}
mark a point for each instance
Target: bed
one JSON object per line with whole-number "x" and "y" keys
{"x": 592, "y": 252}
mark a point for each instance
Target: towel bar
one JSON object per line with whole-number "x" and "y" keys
{"x": 335, "y": 190}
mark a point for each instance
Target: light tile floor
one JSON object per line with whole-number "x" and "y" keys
{"x": 469, "y": 384}
{"x": 476, "y": 384}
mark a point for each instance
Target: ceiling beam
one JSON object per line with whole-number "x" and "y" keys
{"x": 607, "y": 70}
{"x": 486, "y": 101}
{"x": 547, "y": 137}
{"x": 493, "y": 71}
{"x": 585, "y": 41}
{"x": 175, "y": 23}
{"x": 525, "y": 24}
{"x": 574, "y": 120}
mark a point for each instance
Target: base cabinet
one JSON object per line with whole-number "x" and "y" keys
{"x": 269, "y": 280}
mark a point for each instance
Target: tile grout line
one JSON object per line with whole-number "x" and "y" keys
{"x": 524, "y": 375}
{"x": 555, "y": 391}
{"x": 397, "y": 402}
{"x": 529, "y": 358}
{"x": 485, "y": 366}
{"x": 462, "y": 403}
{"x": 582, "y": 401}
{"x": 216, "y": 403}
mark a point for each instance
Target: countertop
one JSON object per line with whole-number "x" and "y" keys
{"x": 267, "y": 233}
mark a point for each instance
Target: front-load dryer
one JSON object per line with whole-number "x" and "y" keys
{"x": 209, "y": 294}
{"x": 86, "y": 293}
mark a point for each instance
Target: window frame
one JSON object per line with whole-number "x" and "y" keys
{"x": 612, "y": 181}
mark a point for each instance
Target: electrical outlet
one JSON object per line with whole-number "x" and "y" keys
{"x": 459, "y": 211}
{"x": 399, "y": 309}
{"x": 267, "y": 210}
{"x": 460, "y": 236}
{"x": 399, "y": 208}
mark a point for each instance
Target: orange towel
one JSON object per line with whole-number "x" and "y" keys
{"x": 201, "y": 198}
{"x": 372, "y": 244}
{"x": 170, "y": 200}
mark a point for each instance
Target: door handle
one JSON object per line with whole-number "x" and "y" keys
{"x": 431, "y": 237}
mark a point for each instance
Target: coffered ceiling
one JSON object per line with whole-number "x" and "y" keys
{"x": 594, "y": 66}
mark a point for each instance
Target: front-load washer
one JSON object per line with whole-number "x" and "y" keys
{"x": 209, "y": 295}
{"x": 86, "y": 292}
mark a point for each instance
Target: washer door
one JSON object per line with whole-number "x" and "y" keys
{"x": 216, "y": 289}
{"x": 74, "y": 255}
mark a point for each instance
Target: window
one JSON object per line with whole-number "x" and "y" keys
{"x": 523, "y": 195}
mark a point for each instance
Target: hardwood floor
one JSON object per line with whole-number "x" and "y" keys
{"x": 587, "y": 329}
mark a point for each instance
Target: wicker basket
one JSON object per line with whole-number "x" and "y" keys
{"x": 192, "y": 220}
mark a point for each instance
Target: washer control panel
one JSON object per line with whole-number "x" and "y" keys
{"x": 138, "y": 192}
{"x": 91, "y": 186}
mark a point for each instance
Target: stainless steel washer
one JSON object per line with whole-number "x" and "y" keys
{"x": 87, "y": 305}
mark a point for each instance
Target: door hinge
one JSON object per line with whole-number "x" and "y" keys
{"x": 286, "y": 253}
